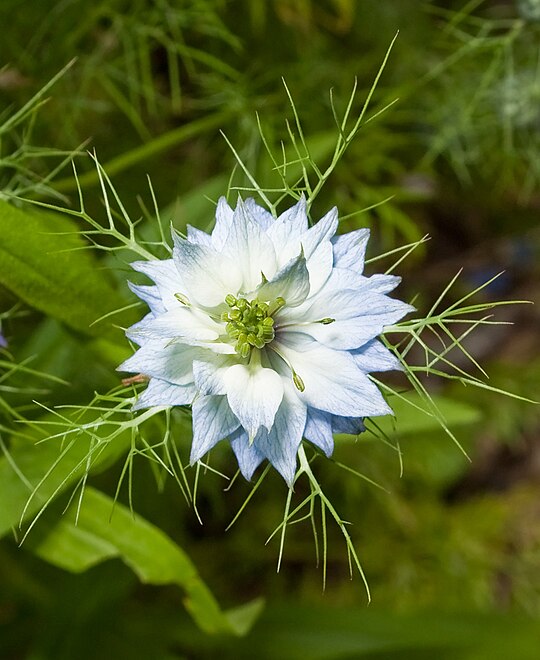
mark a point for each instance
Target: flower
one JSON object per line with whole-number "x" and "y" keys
{"x": 268, "y": 329}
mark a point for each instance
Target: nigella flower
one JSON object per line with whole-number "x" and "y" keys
{"x": 268, "y": 329}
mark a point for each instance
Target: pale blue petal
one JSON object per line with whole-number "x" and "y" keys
{"x": 352, "y": 332}
{"x": 157, "y": 359}
{"x": 213, "y": 420}
{"x": 160, "y": 393}
{"x": 333, "y": 383}
{"x": 280, "y": 445}
{"x": 343, "y": 278}
{"x": 319, "y": 430}
{"x": 197, "y": 236}
{"x": 383, "y": 283}
{"x": 347, "y": 278}
{"x": 209, "y": 371}
{"x": 150, "y": 295}
{"x": 348, "y": 425}
{"x": 139, "y": 340}
{"x": 373, "y": 356}
{"x": 291, "y": 283}
{"x": 350, "y": 249}
{"x": 248, "y": 456}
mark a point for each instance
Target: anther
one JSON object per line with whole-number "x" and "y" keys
{"x": 298, "y": 382}
{"x": 182, "y": 298}
{"x": 278, "y": 304}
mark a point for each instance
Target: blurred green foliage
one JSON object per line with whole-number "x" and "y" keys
{"x": 451, "y": 548}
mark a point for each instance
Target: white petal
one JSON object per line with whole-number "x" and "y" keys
{"x": 166, "y": 277}
{"x": 248, "y": 456}
{"x": 319, "y": 430}
{"x": 311, "y": 239}
{"x": 350, "y": 249}
{"x": 213, "y": 420}
{"x": 360, "y": 314}
{"x": 319, "y": 265}
{"x": 160, "y": 393}
{"x": 291, "y": 283}
{"x": 224, "y": 218}
{"x": 289, "y": 226}
{"x": 209, "y": 372}
{"x": 254, "y": 394}
{"x": 350, "y": 332}
{"x": 321, "y": 231}
{"x": 280, "y": 445}
{"x": 250, "y": 250}
{"x": 343, "y": 284}
{"x": 208, "y": 276}
{"x": 258, "y": 214}
{"x": 333, "y": 383}
{"x": 173, "y": 363}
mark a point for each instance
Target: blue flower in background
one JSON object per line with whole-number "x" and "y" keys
{"x": 268, "y": 328}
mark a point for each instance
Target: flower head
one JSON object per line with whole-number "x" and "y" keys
{"x": 268, "y": 329}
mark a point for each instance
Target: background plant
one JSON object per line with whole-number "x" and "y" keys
{"x": 152, "y": 86}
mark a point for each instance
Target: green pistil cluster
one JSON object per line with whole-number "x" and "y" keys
{"x": 250, "y": 323}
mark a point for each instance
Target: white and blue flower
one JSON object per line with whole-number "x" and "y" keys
{"x": 268, "y": 329}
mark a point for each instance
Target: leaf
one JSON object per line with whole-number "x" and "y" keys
{"x": 97, "y": 537}
{"x": 55, "y": 463}
{"x": 323, "y": 632}
{"x": 106, "y": 529}
{"x": 41, "y": 261}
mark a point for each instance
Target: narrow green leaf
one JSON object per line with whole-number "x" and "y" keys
{"x": 322, "y": 632}
{"x": 41, "y": 261}
{"x": 104, "y": 529}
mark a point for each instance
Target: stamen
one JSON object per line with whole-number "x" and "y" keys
{"x": 278, "y": 304}
{"x": 182, "y": 298}
{"x": 299, "y": 383}
{"x": 249, "y": 322}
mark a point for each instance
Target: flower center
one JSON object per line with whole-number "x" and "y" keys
{"x": 249, "y": 323}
